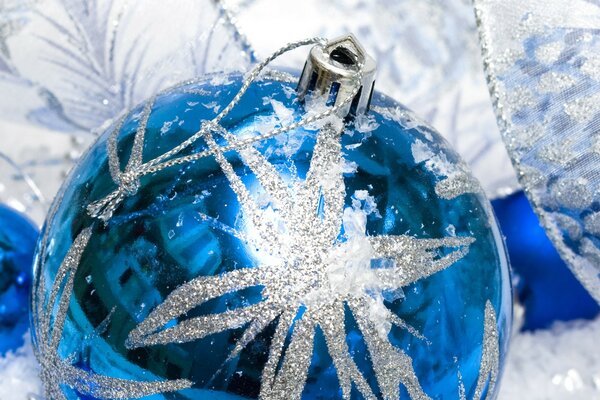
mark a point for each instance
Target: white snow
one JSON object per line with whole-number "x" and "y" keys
{"x": 562, "y": 363}
{"x": 349, "y": 264}
{"x": 19, "y": 374}
{"x": 435, "y": 162}
{"x": 167, "y": 125}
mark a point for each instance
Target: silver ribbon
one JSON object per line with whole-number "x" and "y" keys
{"x": 542, "y": 60}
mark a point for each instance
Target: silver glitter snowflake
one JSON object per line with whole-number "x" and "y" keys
{"x": 310, "y": 266}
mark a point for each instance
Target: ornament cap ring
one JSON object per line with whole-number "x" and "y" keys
{"x": 331, "y": 73}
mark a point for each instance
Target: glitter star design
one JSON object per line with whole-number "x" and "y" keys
{"x": 318, "y": 262}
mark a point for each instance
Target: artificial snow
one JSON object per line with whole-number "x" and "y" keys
{"x": 436, "y": 162}
{"x": 18, "y": 374}
{"x": 562, "y": 363}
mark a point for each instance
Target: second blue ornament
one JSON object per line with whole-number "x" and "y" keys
{"x": 18, "y": 237}
{"x": 545, "y": 285}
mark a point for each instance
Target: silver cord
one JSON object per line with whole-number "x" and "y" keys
{"x": 129, "y": 180}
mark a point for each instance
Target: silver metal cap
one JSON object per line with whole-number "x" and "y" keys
{"x": 330, "y": 73}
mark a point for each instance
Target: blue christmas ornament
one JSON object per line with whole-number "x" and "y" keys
{"x": 232, "y": 239}
{"x": 18, "y": 237}
{"x": 545, "y": 285}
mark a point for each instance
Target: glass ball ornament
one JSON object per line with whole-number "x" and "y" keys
{"x": 346, "y": 258}
{"x": 18, "y": 237}
{"x": 544, "y": 285}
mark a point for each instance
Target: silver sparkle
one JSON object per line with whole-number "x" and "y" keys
{"x": 462, "y": 393}
{"x": 592, "y": 66}
{"x": 569, "y": 225}
{"x": 572, "y": 193}
{"x": 583, "y": 109}
{"x": 456, "y": 185}
{"x": 554, "y": 82}
{"x": 490, "y": 357}
{"x": 559, "y": 153}
{"x": 592, "y": 223}
{"x": 589, "y": 249}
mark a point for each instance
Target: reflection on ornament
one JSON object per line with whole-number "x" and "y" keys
{"x": 545, "y": 285}
{"x": 281, "y": 252}
{"x": 17, "y": 245}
